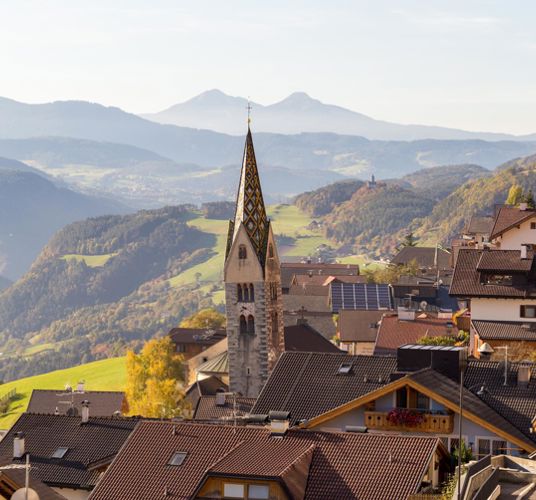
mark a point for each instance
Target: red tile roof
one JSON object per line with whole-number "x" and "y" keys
{"x": 343, "y": 465}
{"x": 304, "y": 337}
{"x": 505, "y": 260}
{"x": 358, "y": 326}
{"x": 394, "y": 332}
{"x": 207, "y": 409}
{"x": 505, "y": 330}
{"x": 200, "y": 336}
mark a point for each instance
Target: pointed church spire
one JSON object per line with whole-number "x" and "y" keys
{"x": 250, "y": 209}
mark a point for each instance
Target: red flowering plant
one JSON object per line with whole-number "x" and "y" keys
{"x": 404, "y": 416}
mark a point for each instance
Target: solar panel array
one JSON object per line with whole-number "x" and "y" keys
{"x": 360, "y": 296}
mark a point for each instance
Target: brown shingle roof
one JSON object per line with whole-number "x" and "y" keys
{"x": 343, "y": 465}
{"x": 207, "y": 409}
{"x": 505, "y": 260}
{"x": 466, "y": 281}
{"x": 509, "y": 217}
{"x": 17, "y": 478}
{"x": 424, "y": 256}
{"x": 308, "y": 384}
{"x": 479, "y": 225}
{"x": 200, "y": 336}
{"x": 505, "y": 330}
{"x": 358, "y": 326}
{"x": 99, "y": 439}
{"x": 394, "y": 332}
{"x": 103, "y": 403}
{"x": 304, "y": 337}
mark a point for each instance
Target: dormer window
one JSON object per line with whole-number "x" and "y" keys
{"x": 497, "y": 279}
{"x": 528, "y": 311}
{"x": 60, "y": 452}
{"x": 242, "y": 252}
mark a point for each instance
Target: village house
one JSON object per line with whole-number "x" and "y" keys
{"x": 201, "y": 461}
{"x": 415, "y": 392}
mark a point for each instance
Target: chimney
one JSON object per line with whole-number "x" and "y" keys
{"x": 523, "y": 207}
{"x": 279, "y": 422}
{"x": 80, "y": 386}
{"x": 523, "y": 375}
{"x": 406, "y": 314}
{"x": 220, "y": 398}
{"x": 19, "y": 448}
{"x": 523, "y": 251}
{"x": 85, "y": 411}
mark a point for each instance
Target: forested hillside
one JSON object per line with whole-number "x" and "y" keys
{"x": 97, "y": 285}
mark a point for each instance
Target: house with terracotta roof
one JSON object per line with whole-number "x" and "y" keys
{"x": 408, "y": 327}
{"x": 416, "y": 392}
{"x": 499, "y": 287}
{"x": 68, "y": 454}
{"x": 198, "y": 461}
{"x": 291, "y": 269}
{"x": 514, "y": 227}
{"x": 192, "y": 341}
{"x": 357, "y": 330}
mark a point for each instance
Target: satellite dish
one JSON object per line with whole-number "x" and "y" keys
{"x": 423, "y": 305}
{"x": 21, "y": 493}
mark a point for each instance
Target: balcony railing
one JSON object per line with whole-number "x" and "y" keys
{"x": 402, "y": 419}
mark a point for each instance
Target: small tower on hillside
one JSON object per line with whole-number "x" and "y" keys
{"x": 252, "y": 286}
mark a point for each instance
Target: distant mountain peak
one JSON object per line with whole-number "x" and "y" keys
{"x": 213, "y": 97}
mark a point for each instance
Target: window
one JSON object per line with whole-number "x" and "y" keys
{"x": 251, "y": 324}
{"x": 533, "y": 225}
{"x": 60, "y": 452}
{"x": 275, "y": 330}
{"x": 402, "y": 398}
{"x": 497, "y": 279}
{"x": 243, "y": 324}
{"x": 528, "y": 311}
{"x": 242, "y": 252}
{"x": 233, "y": 490}
{"x": 483, "y": 448}
{"x": 251, "y": 293}
{"x": 239, "y": 295}
{"x": 177, "y": 458}
{"x": 270, "y": 251}
{"x": 499, "y": 447}
{"x": 423, "y": 402}
{"x": 181, "y": 348}
{"x": 258, "y": 491}
{"x": 273, "y": 291}
{"x": 245, "y": 290}
{"x": 345, "y": 368}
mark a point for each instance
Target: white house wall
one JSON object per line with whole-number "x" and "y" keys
{"x": 514, "y": 238}
{"x": 499, "y": 309}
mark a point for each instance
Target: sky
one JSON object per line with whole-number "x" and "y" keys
{"x": 467, "y": 64}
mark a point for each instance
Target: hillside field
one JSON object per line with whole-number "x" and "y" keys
{"x": 104, "y": 375}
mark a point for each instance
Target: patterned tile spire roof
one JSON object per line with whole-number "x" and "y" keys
{"x": 250, "y": 209}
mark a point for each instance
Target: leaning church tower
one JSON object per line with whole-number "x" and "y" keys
{"x": 252, "y": 286}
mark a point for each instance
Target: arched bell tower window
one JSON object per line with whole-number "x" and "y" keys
{"x": 251, "y": 324}
{"x": 245, "y": 289}
{"x": 270, "y": 251}
{"x": 239, "y": 293}
{"x": 251, "y": 293}
{"x": 243, "y": 324}
{"x": 242, "y": 252}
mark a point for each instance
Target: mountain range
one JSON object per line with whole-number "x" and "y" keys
{"x": 301, "y": 113}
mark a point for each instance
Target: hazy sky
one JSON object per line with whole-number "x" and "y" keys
{"x": 467, "y": 64}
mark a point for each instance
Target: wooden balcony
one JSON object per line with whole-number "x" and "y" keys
{"x": 440, "y": 423}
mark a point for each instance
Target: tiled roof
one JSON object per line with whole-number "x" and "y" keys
{"x": 343, "y": 465}
{"x": 466, "y": 280}
{"x": 394, "y": 332}
{"x": 204, "y": 387}
{"x": 102, "y": 403}
{"x": 424, "y": 256}
{"x": 505, "y": 330}
{"x": 357, "y": 326}
{"x": 479, "y": 225}
{"x": 449, "y": 389}
{"x": 201, "y": 336}
{"x": 516, "y": 403}
{"x": 308, "y": 384}
{"x": 504, "y": 260}
{"x": 99, "y": 439}
{"x": 289, "y": 269}
{"x": 507, "y": 218}
{"x": 207, "y": 409}
{"x": 304, "y": 337}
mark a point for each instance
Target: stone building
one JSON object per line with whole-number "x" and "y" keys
{"x": 252, "y": 279}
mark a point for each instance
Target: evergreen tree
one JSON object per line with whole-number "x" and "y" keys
{"x": 409, "y": 241}
{"x": 529, "y": 199}
{"x": 514, "y": 195}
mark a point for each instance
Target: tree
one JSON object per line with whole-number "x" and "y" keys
{"x": 529, "y": 199}
{"x": 514, "y": 195}
{"x": 409, "y": 241}
{"x": 206, "y": 318}
{"x": 154, "y": 380}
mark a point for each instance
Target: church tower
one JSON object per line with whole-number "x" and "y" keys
{"x": 252, "y": 286}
